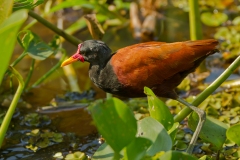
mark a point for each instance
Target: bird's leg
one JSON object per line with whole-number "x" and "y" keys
{"x": 202, "y": 118}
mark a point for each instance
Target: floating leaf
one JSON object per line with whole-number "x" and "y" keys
{"x": 229, "y": 143}
{"x": 35, "y": 132}
{"x": 213, "y": 19}
{"x": 153, "y": 130}
{"x": 205, "y": 157}
{"x": 57, "y": 137}
{"x": 237, "y": 153}
{"x": 43, "y": 143}
{"x": 181, "y": 145}
{"x": 233, "y": 133}
{"x": 58, "y": 155}
{"x": 76, "y": 156}
{"x": 180, "y": 134}
{"x": 236, "y": 21}
{"x": 115, "y": 121}
{"x": 158, "y": 110}
{"x": 185, "y": 84}
{"x": 33, "y": 148}
{"x": 171, "y": 155}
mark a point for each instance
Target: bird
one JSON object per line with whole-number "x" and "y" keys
{"x": 160, "y": 66}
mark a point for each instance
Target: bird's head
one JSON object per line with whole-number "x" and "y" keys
{"x": 92, "y": 51}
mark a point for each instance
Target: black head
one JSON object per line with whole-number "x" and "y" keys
{"x": 94, "y": 51}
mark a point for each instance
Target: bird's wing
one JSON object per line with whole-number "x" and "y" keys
{"x": 146, "y": 64}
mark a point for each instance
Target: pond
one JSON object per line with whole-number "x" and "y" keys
{"x": 50, "y": 118}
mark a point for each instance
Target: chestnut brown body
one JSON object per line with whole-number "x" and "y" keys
{"x": 158, "y": 65}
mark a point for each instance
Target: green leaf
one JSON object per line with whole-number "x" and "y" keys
{"x": 152, "y": 138}
{"x": 213, "y": 19}
{"x": 58, "y": 155}
{"x": 57, "y": 137}
{"x": 6, "y": 9}
{"x": 222, "y": 33}
{"x": 43, "y": 143}
{"x": 158, "y": 110}
{"x": 233, "y": 133}
{"x": 115, "y": 121}
{"x": 34, "y": 46}
{"x": 173, "y": 131}
{"x": 137, "y": 149}
{"x": 181, "y": 145}
{"x": 205, "y": 157}
{"x": 72, "y": 3}
{"x": 104, "y": 152}
{"x": 76, "y": 156}
{"x": 213, "y": 130}
{"x": 26, "y": 4}
{"x": 8, "y": 34}
{"x": 172, "y": 155}
{"x": 151, "y": 129}
{"x": 26, "y": 39}
{"x": 236, "y": 21}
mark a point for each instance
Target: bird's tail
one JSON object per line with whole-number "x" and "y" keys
{"x": 203, "y": 47}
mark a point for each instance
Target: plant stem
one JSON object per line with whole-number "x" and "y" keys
{"x": 209, "y": 90}
{"x": 55, "y": 29}
{"x": 194, "y": 20}
{"x": 46, "y": 75}
{"x": 16, "y": 62}
{"x": 19, "y": 59}
{"x": 29, "y": 73}
{"x": 117, "y": 156}
{"x": 10, "y": 112}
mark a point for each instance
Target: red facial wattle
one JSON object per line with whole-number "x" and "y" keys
{"x": 76, "y": 57}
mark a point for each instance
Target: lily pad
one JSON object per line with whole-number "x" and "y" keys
{"x": 233, "y": 133}
{"x": 236, "y": 21}
{"x": 213, "y": 19}
{"x": 76, "y": 156}
{"x": 170, "y": 155}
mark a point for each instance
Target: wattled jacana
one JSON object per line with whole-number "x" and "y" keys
{"x": 158, "y": 65}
